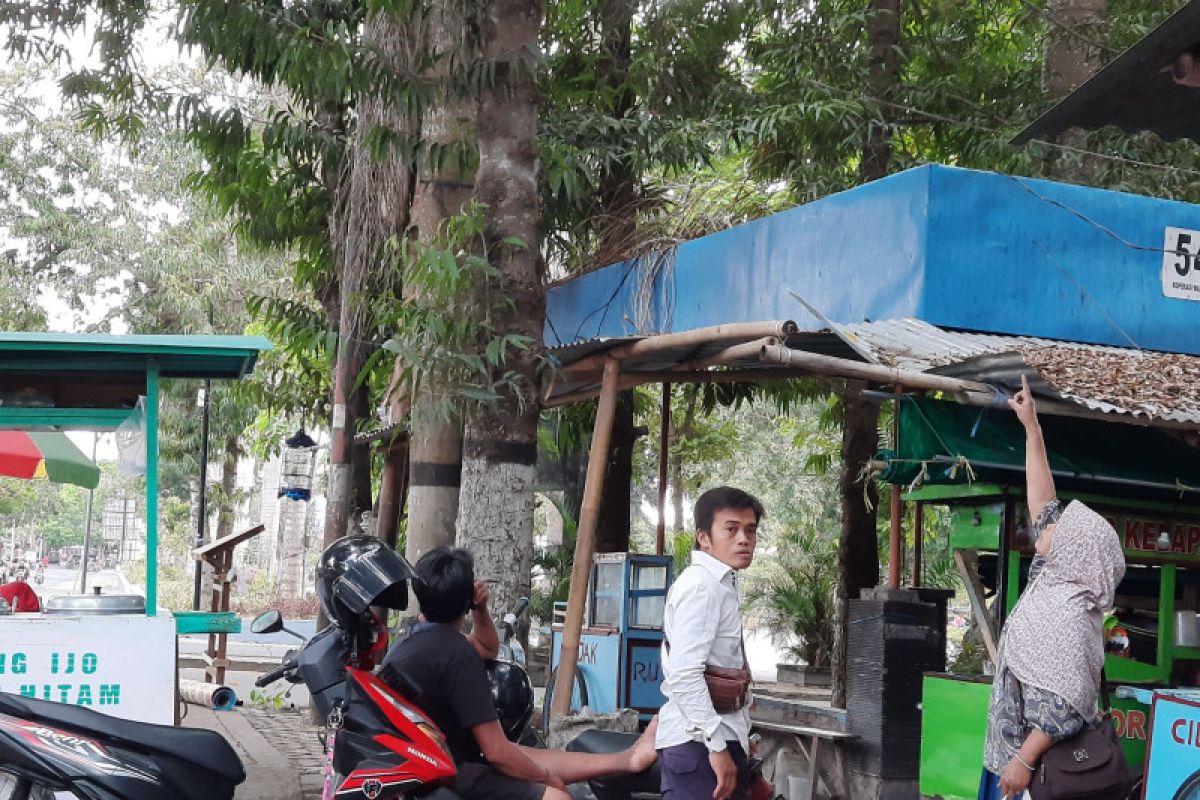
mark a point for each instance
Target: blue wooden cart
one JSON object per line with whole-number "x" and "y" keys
{"x": 619, "y": 663}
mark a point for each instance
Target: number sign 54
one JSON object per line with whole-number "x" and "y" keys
{"x": 1181, "y": 263}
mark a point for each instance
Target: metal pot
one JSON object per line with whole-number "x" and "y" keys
{"x": 1187, "y": 629}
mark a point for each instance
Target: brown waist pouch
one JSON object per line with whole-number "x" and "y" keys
{"x": 729, "y": 688}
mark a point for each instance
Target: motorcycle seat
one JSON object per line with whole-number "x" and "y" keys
{"x": 207, "y": 749}
{"x": 596, "y": 741}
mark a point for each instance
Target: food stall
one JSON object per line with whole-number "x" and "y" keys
{"x": 1143, "y": 480}
{"x": 115, "y": 654}
{"x": 620, "y": 649}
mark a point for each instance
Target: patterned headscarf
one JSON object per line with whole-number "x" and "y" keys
{"x": 1054, "y": 639}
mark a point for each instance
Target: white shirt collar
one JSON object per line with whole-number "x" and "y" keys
{"x": 719, "y": 569}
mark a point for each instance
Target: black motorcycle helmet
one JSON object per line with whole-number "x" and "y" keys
{"x": 357, "y": 572}
{"x": 512, "y": 694}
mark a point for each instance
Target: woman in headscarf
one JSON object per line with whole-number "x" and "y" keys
{"x": 1052, "y": 647}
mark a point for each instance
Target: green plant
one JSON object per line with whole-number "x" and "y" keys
{"x": 273, "y": 699}
{"x": 796, "y": 599}
{"x": 554, "y": 565}
{"x": 682, "y": 546}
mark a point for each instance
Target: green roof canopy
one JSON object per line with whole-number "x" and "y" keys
{"x": 939, "y": 439}
{"x": 177, "y": 356}
{"x": 74, "y": 381}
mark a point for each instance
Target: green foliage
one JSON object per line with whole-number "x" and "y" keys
{"x": 552, "y": 565}
{"x": 442, "y": 335}
{"x": 795, "y": 599}
{"x": 272, "y": 698}
{"x": 683, "y": 544}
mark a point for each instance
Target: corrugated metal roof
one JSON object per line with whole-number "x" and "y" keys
{"x": 1117, "y": 380}
{"x": 1112, "y": 380}
{"x": 1132, "y": 92}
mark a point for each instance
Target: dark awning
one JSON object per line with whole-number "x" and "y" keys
{"x": 1132, "y": 92}
{"x": 945, "y": 443}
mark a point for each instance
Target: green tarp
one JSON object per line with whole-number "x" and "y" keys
{"x": 946, "y": 443}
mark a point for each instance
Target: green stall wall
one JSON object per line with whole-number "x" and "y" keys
{"x": 954, "y": 722}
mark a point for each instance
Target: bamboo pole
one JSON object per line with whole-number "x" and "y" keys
{"x": 716, "y": 334}
{"x": 630, "y": 380}
{"x": 660, "y": 530}
{"x": 585, "y": 541}
{"x": 876, "y": 373}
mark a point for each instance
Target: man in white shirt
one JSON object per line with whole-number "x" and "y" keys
{"x": 702, "y": 753}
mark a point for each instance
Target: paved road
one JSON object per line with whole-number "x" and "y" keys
{"x": 62, "y": 580}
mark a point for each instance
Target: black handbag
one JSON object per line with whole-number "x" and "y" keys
{"x": 1087, "y": 766}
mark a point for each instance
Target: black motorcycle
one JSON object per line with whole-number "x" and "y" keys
{"x": 47, "y": 748}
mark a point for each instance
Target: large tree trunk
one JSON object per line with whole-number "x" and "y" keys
{"x": 883, "y": 30}
{"x": 374, "y": 209}
{"x": 495, "y": 519}
{"x": 227, "y": 512}
{"x": 618, "y": 189}
{"x": 393, "y": 489}
{"x": 1075, "y": 31}
{"x": 858, "y": 547}
{"x": 443, "y": 190}
{"x": 612, "y": 527}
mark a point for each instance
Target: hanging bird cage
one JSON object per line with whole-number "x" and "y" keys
{"x": 299, "y": 457}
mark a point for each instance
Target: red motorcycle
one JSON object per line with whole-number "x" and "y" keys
{"x": 378, "y": 744}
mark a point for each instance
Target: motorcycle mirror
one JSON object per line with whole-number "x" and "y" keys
{"x": 267, "y": 622}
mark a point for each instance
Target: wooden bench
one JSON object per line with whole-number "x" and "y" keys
{"x": 809, "y": 741}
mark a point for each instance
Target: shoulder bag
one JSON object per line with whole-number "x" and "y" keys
{"x": 1087, "y": 766}
{"x": 728, "y": 687}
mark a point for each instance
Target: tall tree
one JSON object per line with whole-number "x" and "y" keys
{"x": 1073, "y": 52}
{"x": 495, "y": 518}
{"x": 374, "y": 210}
{"x": 444, "y": 190}
{"x": 883, "y": 43}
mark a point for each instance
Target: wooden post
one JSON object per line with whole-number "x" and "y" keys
{"x": 585, "y": 540}
{"x": 219, "y": 556}
{"x": 975, "y": 593}
{"x": 896, "y": 542}
{"x": 918, "y": 543}
{"x": 393, "y": 487}
{"x": 660, "y": 531}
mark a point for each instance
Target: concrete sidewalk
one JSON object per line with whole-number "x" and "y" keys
{"x": 279, "y": 750}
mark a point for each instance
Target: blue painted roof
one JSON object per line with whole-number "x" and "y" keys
{"x": 961, "y": 249}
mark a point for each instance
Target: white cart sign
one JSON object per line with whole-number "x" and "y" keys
{"x": 122, "y": 665}
{"x": 1181, "y": 264}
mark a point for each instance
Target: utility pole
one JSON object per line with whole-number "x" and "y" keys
{"x": 87, "y": 525}
{"x": 202, "y": 508}
{"x": 124, "y": 520}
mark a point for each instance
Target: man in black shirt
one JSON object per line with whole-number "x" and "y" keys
{"x": 447, "y": 671}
